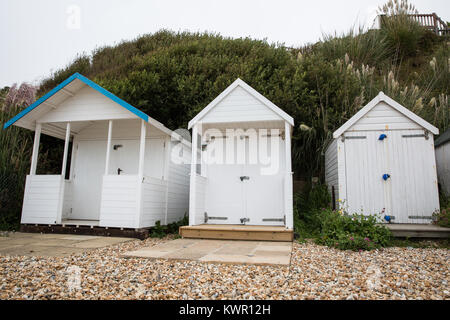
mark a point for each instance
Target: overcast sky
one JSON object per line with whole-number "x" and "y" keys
{"x": 41, "y": 36}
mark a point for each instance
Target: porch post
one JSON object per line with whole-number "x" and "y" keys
{"x": 140, "y": 176}
{"x": 142, "y": 150}
{"x": 288, "y": 198}
{"x": 108, "y": 146}
{"x": 66, "y": 151}
{"x": 34, "y": 157}
{"x": 193, "y": 179}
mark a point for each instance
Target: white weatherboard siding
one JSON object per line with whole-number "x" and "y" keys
{"x": 87, "y": 105}
{"x": 331, "y": 169}
{"x": 384, "y": 117}
{"x": 154, "y": 202}
{"x": 119, "y": 201}
{"x": 410, "y": 194}
{"x": 240, "y": 106}
{"x": 443, "y": 166}
{"x": 41, "y": 199}
{"x": 178, "y": 184}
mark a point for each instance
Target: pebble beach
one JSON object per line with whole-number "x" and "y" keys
{"x": 315, "y": 272}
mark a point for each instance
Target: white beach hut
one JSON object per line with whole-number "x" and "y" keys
{"x": 126, "y": 169}
{"x": 241, "y": 173}
{"x": 382, "y": 161}
{"x": 442, "y": 146}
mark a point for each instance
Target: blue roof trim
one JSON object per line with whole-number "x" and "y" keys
{"x": 88, "y": 82}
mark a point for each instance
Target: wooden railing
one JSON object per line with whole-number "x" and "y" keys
{"x": 429, "y": 21}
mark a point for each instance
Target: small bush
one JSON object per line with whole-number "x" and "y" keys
{"x": 351, "y": 232}
{"x": 159, "y": 231}
{"x": 442, "y": 217}
{"x": 306, "y": 205}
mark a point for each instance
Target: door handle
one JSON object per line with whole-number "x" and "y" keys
{"x": 244, "y": 178}
{"x": 119, "y": 171}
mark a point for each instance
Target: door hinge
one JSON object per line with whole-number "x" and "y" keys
{"x": 275, "y": 219}
{"x": 416, "y": 136}
{"x": 343, "y": 138}
{"x": 420, "y": 217}
{"x": 213, "y": 218}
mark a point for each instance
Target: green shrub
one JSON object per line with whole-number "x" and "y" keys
{"x": 351, "y": 232}
{"x": 306, "y": 204}
{"x": 159, "y": 231}
{"x": 442, "y": 217}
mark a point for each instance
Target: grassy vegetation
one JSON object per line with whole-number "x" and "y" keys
{"x": 15, "y": 146}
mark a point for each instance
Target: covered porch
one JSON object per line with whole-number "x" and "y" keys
{"x": 114, "y": 165}
{"x": 115, "y": 161}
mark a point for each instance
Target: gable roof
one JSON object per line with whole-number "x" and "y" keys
{"x": 251, "y": 91}
{"x": 392, "y": 103}
{"x": 61, "y": 87}
{"x": 443, "y": 138}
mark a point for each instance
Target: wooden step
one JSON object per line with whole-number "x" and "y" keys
{"x": 237, "y": 232}
{"x": 418, "y": 230}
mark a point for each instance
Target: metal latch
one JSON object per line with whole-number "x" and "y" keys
{"x": 244, "y": 178}
{"x": 244, "y": 220}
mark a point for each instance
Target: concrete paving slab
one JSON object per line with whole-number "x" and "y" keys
{"x": 225, "y": 258}
{"x": 274, "y": 248}
{"x": 100, "y": 242}
{"x": 44, "y": 251}
{"x": 30, "y": 244}
{"x": 54, "y": 243}
{"x": 79, "y": 238}
{"x": 219, "y": 251}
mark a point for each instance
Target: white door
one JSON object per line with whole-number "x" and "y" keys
{"x": 87, "y": 179}
{"x": 225, "y": 198}
{"x": 409, "y": 193}
{"x": 413, "y": 177}
{"x": 155, "y": 158}
{"x": 263, "y": 190}
{"x": 247, "y": 192}
{"x": 366, "y": 162}
{"x": 263, "y": 196}
{"x": 124, "y": 157}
